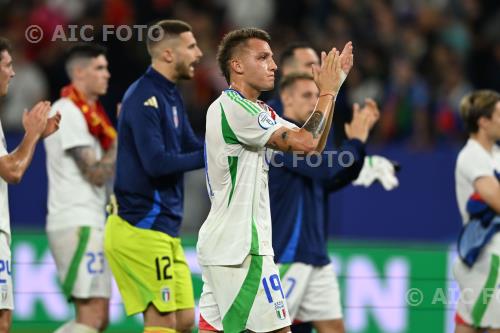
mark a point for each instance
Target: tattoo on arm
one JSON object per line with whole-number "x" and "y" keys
{"x": 284, "y": 136}
{"x": 94, "y": 171}
{"x": 315, "y": 124}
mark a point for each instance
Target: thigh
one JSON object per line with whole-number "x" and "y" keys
{"x": 295, "y": 280}
{"x": 210, "y": 318}
{"x": 479, "y": 302}
{"x": 5, "y": 320}
{"x": 321, "y": 301}
{"x": 249, "y": 296}
{"x": 6, "y": 288}
{"x": 81, "y": 266}
{"x": 142, "y": 263}
{"x": 329, "y": 326}
{"x": 184, "y": 295}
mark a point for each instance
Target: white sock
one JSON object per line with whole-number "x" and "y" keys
{"x": 66, "y": 327}
{"x": 73, "y": 327}
{"x": 80, "y": 328}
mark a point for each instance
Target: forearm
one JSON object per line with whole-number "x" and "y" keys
{"x": 326, "y": 131}
{"x": 329, "y": 166}
{"x": 320, "y": 121}
{"x": 348, "y": 173}
{"x": 165, "y": 163}
{"x": 96, "y": 172}
{"x": 14, "y": 165}
{"x": 103, "y": 170}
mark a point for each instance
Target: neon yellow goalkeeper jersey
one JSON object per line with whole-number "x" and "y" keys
{"x": 239, "y": 222}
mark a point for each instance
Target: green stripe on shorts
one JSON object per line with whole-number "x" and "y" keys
{"x": 236, "y": 318}
{"x": 72, "y": 274}
{"x": 487, "y": 292}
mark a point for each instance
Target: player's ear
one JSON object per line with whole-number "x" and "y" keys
{"x": 168, "y": 55}
{"x": 482, "y": 122}
{"x": 77, "y": 72}
{"x": 236, "y": 65}
{"x": 286, "y": 97}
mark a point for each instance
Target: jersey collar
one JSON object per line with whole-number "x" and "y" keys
{"x": 155, "y": 75}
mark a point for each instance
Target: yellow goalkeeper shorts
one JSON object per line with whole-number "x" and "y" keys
{"x": 149, "y": 267}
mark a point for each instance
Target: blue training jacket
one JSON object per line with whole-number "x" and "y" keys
{"x": 298, "y": 197}
{"x": 156, "y": 145}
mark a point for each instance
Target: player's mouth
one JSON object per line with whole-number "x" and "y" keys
{"x": 193, "y": 64}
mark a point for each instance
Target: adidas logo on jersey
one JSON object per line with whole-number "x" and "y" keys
{"x": 151, "y": 102}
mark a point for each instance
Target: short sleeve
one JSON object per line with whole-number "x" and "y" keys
{"x": 73, "y": 129}
{"x": 286, "y": 123}
{"x": 3, "y": 143}
{"x": 251, "y": 124}
{"x": 476, "y": 163}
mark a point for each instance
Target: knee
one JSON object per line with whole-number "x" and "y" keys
{"x": 4, "y": 326}
{"x": 185, "y": 325}
{"x": 93, "y": 316}
{"x": 103, "y": 322}
{"x": 5, "y": 320}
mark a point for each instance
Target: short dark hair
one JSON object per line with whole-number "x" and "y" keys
{"x": 473, "y": 106}
{"x": 289, "y": 51}
{"x": 4, "y": 46}
{"x": 163, "y": 29}
{"x": 233, "y": 40}
{"x": 83, "y": 51}
{"x": 289, "y": 80}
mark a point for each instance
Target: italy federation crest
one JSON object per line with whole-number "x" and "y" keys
{"x": 280, "y": 310}
{"x": 175, "y": 116}
{"x": 165, "y": 294}
{"x": 4, "y": 292}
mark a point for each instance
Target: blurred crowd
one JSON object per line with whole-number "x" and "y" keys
{"x": 416, "y": 58}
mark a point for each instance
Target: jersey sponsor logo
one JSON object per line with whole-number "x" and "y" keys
{"x": 151, "y": 102}
{"x": 175, "y": 115}
{"x": 265, "y": 120}
{"x": 280, "y": 309}
{"x": 165, "y": 294}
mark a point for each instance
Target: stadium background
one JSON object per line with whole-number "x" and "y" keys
{"x": 416, "y": 58}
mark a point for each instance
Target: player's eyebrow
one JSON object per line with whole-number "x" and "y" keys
{"x": 265, "y": 53}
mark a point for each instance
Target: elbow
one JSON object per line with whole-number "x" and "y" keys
{"x": 309, "y": 147}
{"x": 95, "y": 179}
{"x": 14, "y": 177}
{"x": 98, "y": 183}
{"x": 307, "y": 143}
{"x": 154, "y": 171}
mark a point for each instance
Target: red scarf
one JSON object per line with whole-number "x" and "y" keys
{"x": 97, "y": 120}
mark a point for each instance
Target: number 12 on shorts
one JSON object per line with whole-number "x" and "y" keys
{"x": 275, "y": 283}
{"x": 162, "y": 265}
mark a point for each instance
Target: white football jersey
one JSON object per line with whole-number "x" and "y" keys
{"x": 72, "y": 200}
{"x": 4, "y": 193}
{"x": 473, "y": 162}
{"x": 239, "y": 222}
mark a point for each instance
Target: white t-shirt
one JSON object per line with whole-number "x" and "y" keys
{"x": 72, "y": 201}
{"x": 473, "y": 162}
{"x": 4, "y": 193}
{"x": 236, "y": 169}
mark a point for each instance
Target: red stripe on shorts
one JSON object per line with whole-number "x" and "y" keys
{"x": 204, "y": 325}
